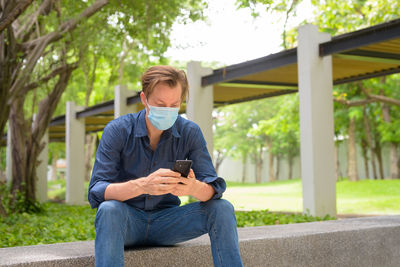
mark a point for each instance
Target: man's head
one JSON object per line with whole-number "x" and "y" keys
{"x": 164, "y": 74}
{"x": 164, "y": 88}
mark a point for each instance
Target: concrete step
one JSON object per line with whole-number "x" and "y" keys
{"x": 368, "y": 241}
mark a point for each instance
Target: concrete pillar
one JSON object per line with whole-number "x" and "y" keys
{"x": 316, "y": 123}
{"x": 41, "y": 171}
{"x": 121, "y": 94}
{"x": 201, "y": 100}
{"x": 75, "y": 142}
{"x": 9, "y": 157}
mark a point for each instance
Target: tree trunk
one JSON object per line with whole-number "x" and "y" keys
{"x": 290, "y": 160}
{"x": 26, "y": 138}
{"x": 336, "y": 158}
{"x": 90, "y": 143}
{"x": 271, "y": 163}
{"x": 8, "y": 63}
{"x": 244, "y": 169}
{"x": 259, "y": 163}
{"x": 352, "y": 156}
{"x": 364, "y": 147}
{"x": 394, "y": 156}
{"x": 369, "y": 141}
{"x": 378, "y": 152}
{"x": 218, "y": 160}
{"x": 54, "y": 167}
{"x": 394, "y": 159}
{"x": 278, "y": 160}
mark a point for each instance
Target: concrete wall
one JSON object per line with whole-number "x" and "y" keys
{"x": 231, "y": 169}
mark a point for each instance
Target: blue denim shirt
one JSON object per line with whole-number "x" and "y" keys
{"x": 124, "y": 153}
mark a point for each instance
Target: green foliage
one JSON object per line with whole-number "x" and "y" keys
{"x": 264, "y": 217}
{"x": 56, "y": 223}
{"x": 62, "y": 223}
{"x": 283, "y": 127}
{"x": 17, "y": 204}
{"x": 57, "y": 189}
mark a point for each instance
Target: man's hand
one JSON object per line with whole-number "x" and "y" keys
{"x": 190, "y": 186}
{"x": 160, "y": 182}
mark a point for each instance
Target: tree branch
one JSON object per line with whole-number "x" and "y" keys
{"x": 355, "y": 102}
{"x": 385, "y": 99}
{"x": 54, "y": 73}
{"x": 67, "y": 26}
{"x": 32, "y": 19}
{"x": 41, "y": 43}
{"x": 381, "y": 98}
{"x": 14, "y": 14}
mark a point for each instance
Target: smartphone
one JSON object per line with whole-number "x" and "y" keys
{"x": 183, "y": 167}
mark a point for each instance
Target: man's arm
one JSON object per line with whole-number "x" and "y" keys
{"x": 193, "y": 187}
{"x": 160, "y": 182}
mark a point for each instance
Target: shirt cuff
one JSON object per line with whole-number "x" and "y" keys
{"x": 218, "y": 184}
{"x": 96, "y": 193}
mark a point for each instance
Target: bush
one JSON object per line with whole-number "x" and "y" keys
{"x": 56, "y": 223}
{"x": 63, "y": 223}
{"x": 264, "y": 217}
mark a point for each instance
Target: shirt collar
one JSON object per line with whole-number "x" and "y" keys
{"x": 141, "y": 129}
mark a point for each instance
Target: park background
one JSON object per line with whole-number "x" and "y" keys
{"x": 255, "y": 142}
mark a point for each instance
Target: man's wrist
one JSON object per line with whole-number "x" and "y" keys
{"x": 203, "y": 191}
{"x": 136, "y": 186}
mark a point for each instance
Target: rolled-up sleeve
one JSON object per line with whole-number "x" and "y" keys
{"x": 107, "y": 164}
{"x": 202, "y": 164}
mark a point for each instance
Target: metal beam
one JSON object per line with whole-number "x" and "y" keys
{"x": 367, "y": 76}
{"x": 370, "y": 56}
{"x": 96, "y": 110}
{"x": 251, "y": 67}
{"x": 276, "y": 93}
{"x": 353, "y": 40}
{"x": 258, "y": 85}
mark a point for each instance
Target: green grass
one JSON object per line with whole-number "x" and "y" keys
{"x": 65, "y": 223}
{"x": 362, "y": 197}
{"x": 57, "y": 223}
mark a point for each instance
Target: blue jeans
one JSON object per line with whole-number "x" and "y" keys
{"x": 118, "y": 225}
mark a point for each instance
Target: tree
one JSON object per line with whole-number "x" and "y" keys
{"x": 41, "y": 45}
{"x": 337, "y": 17}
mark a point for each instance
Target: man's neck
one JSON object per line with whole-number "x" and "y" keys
{"x": 153, "y": 133}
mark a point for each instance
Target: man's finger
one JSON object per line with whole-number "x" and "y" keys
{"x": 166, "y": 180}
{"x": 167, "y": 173}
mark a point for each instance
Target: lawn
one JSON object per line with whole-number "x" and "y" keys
{"x": 362, "y": 197}
{"x": 256, "y": 204}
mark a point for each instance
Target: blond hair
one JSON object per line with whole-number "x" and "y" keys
{"x": 164, "y": 74}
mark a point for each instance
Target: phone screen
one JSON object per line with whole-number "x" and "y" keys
{"x": 183, "y": 167}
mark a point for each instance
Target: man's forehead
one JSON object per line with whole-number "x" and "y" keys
{"x": 163, "y": 89}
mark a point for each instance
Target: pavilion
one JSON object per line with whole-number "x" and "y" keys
{"x": 311, "y": 69}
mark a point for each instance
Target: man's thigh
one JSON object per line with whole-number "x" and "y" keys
{"x": 177, "y": 224}
{"x": 118, "y": 217}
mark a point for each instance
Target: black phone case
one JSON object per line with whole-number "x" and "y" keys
{"x": 183, "y": 167}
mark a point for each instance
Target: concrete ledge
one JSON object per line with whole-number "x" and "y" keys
{"x": 370, "y": 241}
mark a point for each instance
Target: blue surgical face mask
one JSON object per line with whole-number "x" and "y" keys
{"x": 162, "y": 117}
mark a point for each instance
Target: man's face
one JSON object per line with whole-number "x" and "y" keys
{"x": 163, "y": 96}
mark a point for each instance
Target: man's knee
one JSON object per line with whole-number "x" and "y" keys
{"x": 219, "y": 206}
{"x": 110, "y": 210}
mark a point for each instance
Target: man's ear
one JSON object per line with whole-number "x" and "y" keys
{"x": 143, "y": 98}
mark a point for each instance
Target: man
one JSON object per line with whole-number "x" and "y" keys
{"x": 136, "y": 192}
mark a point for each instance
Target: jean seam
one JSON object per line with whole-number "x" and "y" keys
{"x": 214, "y": 232}
{"x": 147, "y": 228}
